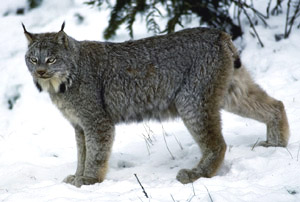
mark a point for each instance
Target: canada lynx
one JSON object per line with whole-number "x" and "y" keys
{"x": 191, "y": 74}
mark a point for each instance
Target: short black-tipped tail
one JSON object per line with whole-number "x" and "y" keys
{"x": 229, "y": 46}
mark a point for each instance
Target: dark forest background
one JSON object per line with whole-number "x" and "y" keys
{"x": 212, "y": 13}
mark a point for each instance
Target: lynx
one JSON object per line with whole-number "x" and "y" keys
{"x": 191, "y": 74}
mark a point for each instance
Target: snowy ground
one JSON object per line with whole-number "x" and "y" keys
{"x": 37, "y": 145}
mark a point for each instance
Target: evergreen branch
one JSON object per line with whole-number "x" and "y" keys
{"x": 277, "y": 9}
{"x": 253, "y": 27}
{"x": 287, "y": 19}
{"x": 268, "y": 8}
{"x": 291, "y": 22}
{"x": 245, "y": 5}
{"x": 150, "y": 20}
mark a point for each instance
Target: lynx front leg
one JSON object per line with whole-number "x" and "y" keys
{"x": 98, "y": 138}
{"x": 81, "y": 153}
{"x": 247, "y": 99}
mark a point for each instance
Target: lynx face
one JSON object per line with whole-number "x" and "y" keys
{"x": 47, "y": 61}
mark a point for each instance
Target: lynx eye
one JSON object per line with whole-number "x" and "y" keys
{"x": 33, "y": 60}
{"x": 50, "y": 61}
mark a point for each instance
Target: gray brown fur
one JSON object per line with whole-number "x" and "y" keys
{"x": 191, "y": 74}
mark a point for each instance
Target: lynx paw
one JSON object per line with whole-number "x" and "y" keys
{"x": 69, "y": 179}
{"x": 187, "y": 176}
{"x": 78, "y": 181}
{"x": 271, "y": 144}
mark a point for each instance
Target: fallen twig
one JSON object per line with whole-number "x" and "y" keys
{"x": 146, "y": 195}
{"x": 253, "y": 27}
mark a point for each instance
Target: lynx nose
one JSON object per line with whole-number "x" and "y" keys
{"x": 41, "y": 72}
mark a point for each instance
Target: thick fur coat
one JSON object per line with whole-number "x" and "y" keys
{"x": 190, "y": 74}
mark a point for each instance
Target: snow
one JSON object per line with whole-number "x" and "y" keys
{"x": 37, "y": 145}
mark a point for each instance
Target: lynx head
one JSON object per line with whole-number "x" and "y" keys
{"x": 49, "y": 60}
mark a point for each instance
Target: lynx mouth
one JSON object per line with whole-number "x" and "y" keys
{"x": 44, "y": 77}
{"x": 58, "y": 83}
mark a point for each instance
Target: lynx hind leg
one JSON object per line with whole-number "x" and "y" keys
{"x": 201, "y": 116}
{"x": 247, "y": 99}
{"x": 204, "y": 125}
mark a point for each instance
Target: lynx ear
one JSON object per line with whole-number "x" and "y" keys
{"x": 28, "y": 35}
{"x": 62, "y": 37}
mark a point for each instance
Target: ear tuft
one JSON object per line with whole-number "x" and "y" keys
{"x": 28, "y": 35}
{"x": 62, "y": 37}
{"x": 25, "y": 31}
{"x": 62, "y": 26}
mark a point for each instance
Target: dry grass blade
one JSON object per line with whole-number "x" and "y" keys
{"x": 164, "y": 135}
{"x": 208, "y": 194}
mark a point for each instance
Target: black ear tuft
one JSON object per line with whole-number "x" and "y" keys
{"x": 28, "y": 35}
{"x": 25, "y": 31}
{"x": 62, "y": 26}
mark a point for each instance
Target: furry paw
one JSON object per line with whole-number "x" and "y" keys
{"x": 187, "y": 176}
{"x": 78, "y": 181}
{"x": 69, "y": 179}
{"x": 270, "y": 144}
